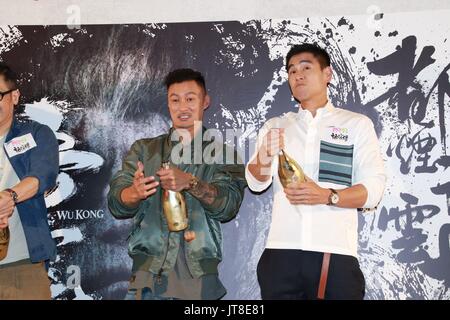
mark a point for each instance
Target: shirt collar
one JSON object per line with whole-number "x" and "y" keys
{"x": 327, "y": 108}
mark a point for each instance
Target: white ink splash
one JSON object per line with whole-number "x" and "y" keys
{"x": 51, "y": 113}
{"x": 60, "y": 40}
{"x": 9, "y": 37}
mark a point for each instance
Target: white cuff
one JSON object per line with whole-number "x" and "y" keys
{"x": 254, "y": 184}
{"x": 375, "y": 189}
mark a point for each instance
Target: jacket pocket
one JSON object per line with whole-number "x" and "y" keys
{"x": 336, "y": 163}
{"x": 137, "y": 224}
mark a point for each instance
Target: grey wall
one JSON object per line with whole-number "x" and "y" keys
{"x": 41, "y": 12}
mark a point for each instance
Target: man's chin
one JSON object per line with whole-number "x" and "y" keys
{"x": 300, "y": 94}
{"x": 183, "y": 125}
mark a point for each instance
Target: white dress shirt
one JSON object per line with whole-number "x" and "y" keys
{"x": 337, "y": 149}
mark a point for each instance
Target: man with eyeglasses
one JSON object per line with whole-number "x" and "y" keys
{"x": 29, "y": 165}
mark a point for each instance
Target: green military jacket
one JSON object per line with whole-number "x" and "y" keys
{"x": 151, "y": 245}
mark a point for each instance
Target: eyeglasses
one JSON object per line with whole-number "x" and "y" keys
{"x": 2, "y": 94}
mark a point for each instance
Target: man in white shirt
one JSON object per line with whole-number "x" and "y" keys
{"x": 311, "y": 251}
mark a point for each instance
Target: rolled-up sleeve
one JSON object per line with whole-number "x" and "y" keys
{"x": 369, "y": 167}
{"x": 253, "y": 183}
{"x": 44, "y": 159}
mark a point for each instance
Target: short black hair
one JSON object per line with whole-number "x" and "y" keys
{"x": 8, "y": 75}
{"x": 186, "y": 74}
{"x": 322, "y": 56}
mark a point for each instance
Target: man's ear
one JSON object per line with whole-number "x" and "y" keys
{"x": 206, "y": 102}
{"x": 15, "y": 96}
{"x": 328, "y": 73}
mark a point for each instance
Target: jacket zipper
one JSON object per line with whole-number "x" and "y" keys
{"x": 186, "y": 257}
{"x": 158, "y": 276}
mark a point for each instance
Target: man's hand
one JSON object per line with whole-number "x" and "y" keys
{"x": 6, "y": 208}
{"x": 272, "y": 143}
{"x": 142, "y": 187}
{"x": 306, "y": 193}
{"x": 174, "y": 179}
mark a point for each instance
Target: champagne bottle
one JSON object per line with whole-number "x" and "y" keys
{"x": 174, "y": 207}
{"x": 4, "y": 242}
{"x": 289, "y": 170}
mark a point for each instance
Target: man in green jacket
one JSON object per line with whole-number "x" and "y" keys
{"x": 183, "y": 264}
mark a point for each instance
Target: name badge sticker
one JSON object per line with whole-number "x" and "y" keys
{"x": 339, "y": 133}
{"x": 20, "y": 145}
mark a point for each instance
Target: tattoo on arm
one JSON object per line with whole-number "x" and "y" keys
{"x": 204, "y": 192}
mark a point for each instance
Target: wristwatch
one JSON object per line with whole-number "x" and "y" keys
{"x": 193, "y": 182}
{"x": 13, "y": 195}
{"x": 333, "y": 198}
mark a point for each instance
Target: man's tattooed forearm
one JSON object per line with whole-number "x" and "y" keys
{"x": 204, "y": 192}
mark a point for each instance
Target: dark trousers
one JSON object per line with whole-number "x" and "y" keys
{"x": 294, "y": 275}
